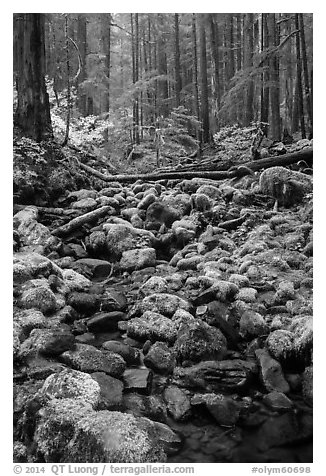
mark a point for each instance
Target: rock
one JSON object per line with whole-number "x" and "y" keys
{"x": 91, "y": 267}
{"x": 159, "y": 213}
{"x": 75, "y": 281}
{"x": 212, "y": 376}
{"x": 222, "y": 407}
{"x": 96, "y": 243}
{"x": 171, "y": 441}
{"x": 85, "y": 204}
{"x": 201, "y": 202}
{"x": 139, "y": 380}
{"x": 210, "y": 190}
{"x": 184, "y": 231}
{"x": 129, "y": 354}
{"x": 50, "y": 342}
{"x": 252, "y": 324}
{"x": 72, "y": 384}
{"x": 189, "y": 263}
{"x": 81, "y": 194}
{"x": 199, "y": 341}
{"x": 284, "y": 292}
{"x": 160, "y": 358}
{"x": 138, "y": 259}
{"x": 153, "y": 326}
{"x": 87, "y": 358}
{"x": 84, "y": 303}
{"x": 56, "y": 425}
{"x": 37, "y": 294}
{"x": 116, "y": 438}
{"x": 122, "y": 238}
{"x": 271, "y": 372}
{"x": 280, "y": 344}
{"x": 105, "y": 321}
{"x": 287, "y": 186}
{"x": 29, "y": 319}
{"x": 178, "y": 402}
{"x": 164, "y": 303}
{"x": 113, "y": 300}
{"x": 307, "y": 384}
{"x": 216, "y": 315}
{"x": 110, "y": 391}
{"x": 30, "y": 231}
{"x": 151, "y": 406}
{"x": 155, "y": 284}
{"x": 247, "y": 294}
{"x": 146, "y": 201}
{"x": 277, "y": 401}
{"x": 180, "y": 202}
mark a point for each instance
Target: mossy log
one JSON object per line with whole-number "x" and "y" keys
{"x": 81, "y": 220}
{"x": 243, "y": 169}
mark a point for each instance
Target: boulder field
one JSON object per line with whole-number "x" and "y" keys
{"x": 177, "y": 327}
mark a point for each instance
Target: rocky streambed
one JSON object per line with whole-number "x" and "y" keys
{"x": 177, "y": 327}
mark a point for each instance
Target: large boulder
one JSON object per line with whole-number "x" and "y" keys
{"x": 87, "y": 358}
{"x": 37, "y": 294}
{"x": 72, "y": 384}
{"x": 198, "y": 341}
{"x": 286, "y": 186}
{"x": 30, "y": 231}
{"x": 153, "y": 326}
{"x": 137, "y": 259}
{"x": 123, "y": 237}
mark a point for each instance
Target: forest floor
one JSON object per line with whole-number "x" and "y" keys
{"x": 188, "y": 302}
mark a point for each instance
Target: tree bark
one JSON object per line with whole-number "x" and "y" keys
{"x": 305, "y": 71}
{"x": 264, "y": 109}
{"x": 177, "y": 60}
{"x": 195, "y": 65}
{"x": 33, "y": 108}
{"x": 81, "y": 42}
{"x": 248, "y": 63}
{"x": 204, "y": 79}
{"x": 274, "y": 89}
{"x": 299, "y": 76}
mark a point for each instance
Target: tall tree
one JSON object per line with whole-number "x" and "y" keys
{"x": 248, "y": 63}
{"x": 195, "y": 65}
{"x": 264, "y": 104}
{"x": 33, "y": 109}
{"x": 82, "y": 42}
{"x": 177, "y": 60}
{"x": 204, "y": 79}
{"x": 214, "y": 36}
{"x": 162, "y": 68}
{"x": 274, "y": 90}
{"x": 305, "y": 70}
{"x": 299, "y": 79}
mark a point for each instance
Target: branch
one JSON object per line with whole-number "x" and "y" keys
{"x": 79, "y": 58}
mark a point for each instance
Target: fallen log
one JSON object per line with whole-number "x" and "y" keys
{"x": 46, "y": 210}
{"x": 286, "y": 159}
{"x": 81, "y": 220}
{"x": 233, "y": 224}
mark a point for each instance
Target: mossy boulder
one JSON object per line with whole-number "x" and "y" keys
{"x": 115, "y": 437}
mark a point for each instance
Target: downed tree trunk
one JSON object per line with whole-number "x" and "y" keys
{"x": 81, "y": 220}
{"x": 243, "y": 169}
{"x": 46, "y": 210}
{"x": 233, "y": 224}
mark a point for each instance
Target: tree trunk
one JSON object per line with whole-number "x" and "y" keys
{"x": 275, "y": 81}
{"x": 177, "y": 60}
{"x": 299, "y": 76}
{"x": 162, "y": 86}
{"x": 136, "y": 78}
{"x": 305, "y": 71}
{"x": 33, "y": 108}
{"x": 265, "y": 75}
{"x": 81, "y": 42}
{"x": 195, "y": 65}
{"x": 215, "y": 57}
{"x": 204, "y": 80}
{"x": 108, "y": 58}
{"x": 248, "y": 55}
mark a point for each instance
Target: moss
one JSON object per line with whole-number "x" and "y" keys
{"x": 114, "y": 437}
{"x": 72, "y": 384}
{"x": 56, "y": 427}
{"x": 280, "y": 344}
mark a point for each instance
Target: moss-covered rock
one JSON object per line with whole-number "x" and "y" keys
{"x": 72, "y": 384}
{"x": 114, "y": 437}
{"x": 87, "y": 358}
{"x": 153, "y": 326}
{"x": 164, "y": 303}
{"x": 37, "y": 294}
